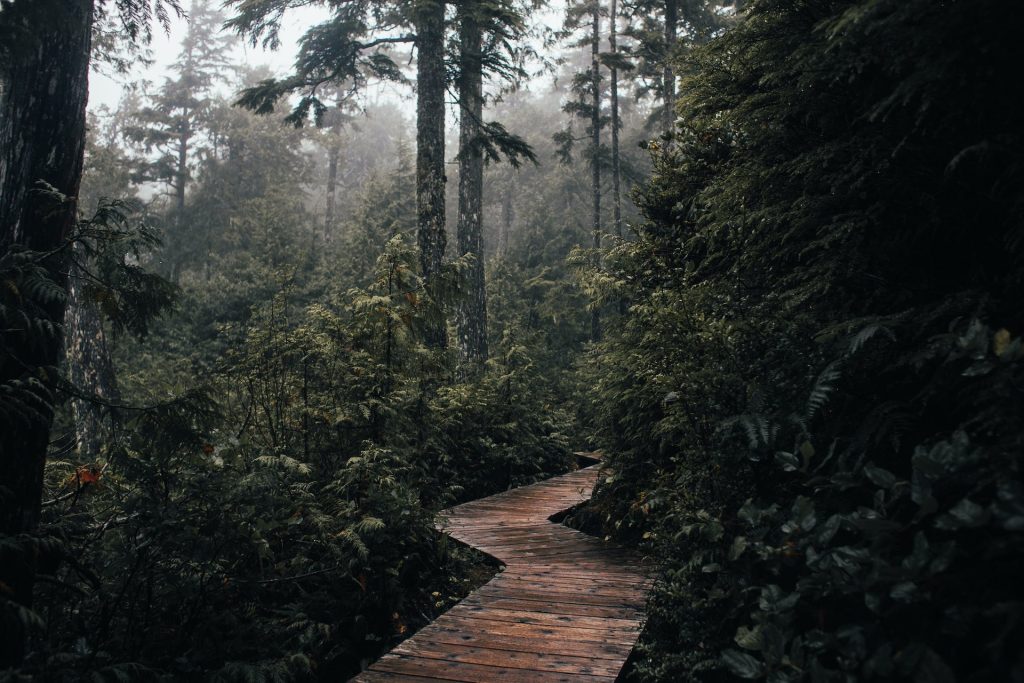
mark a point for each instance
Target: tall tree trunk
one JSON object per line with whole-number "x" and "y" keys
{"x": 90, "y": 369}
{"x": 472, "y": 319}
{"x": 508, "y": 213}
{"x": 334, "y": 119}
{"x": 430, "y": 177}
{"x": 595, "y": 145}
{"x": 333, "y": 155}
{"x": 669, "y": 75}
{"x": 44, "y": 76}
{"x": 181, "y": 171}
{"x": 180, "y": 181}
{"x": 613, "y": 48}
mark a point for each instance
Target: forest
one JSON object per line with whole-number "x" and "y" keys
{"x": 260, "y": 325}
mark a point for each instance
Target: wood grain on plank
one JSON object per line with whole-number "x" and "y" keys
{"x": 567, "y": 608}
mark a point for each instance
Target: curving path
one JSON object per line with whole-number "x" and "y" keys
{"x": 568, "y": 607}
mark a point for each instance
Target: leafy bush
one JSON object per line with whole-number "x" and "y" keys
{"x": 275, "y": 521}
{"x": 810, "y": 408}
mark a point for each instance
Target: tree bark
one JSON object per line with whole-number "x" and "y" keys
{"x": 507, "y": 219}
{"x": 333, "y": 155}
{"x": 181, "y": 171}
{"x": 430, "y": 176}
{"x": 333, "y": 121}
{"x": 43, "y": 93}
{"x": 90, "y": 369}
{"x": 595, "y": 145}
{"x": 472, "y": 319}
{"x": 613, "y": 48}
{"x": 180, "y": 182}
{"x": 669, "y": 75}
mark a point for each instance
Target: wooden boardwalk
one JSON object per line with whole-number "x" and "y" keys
{"x": 567, "y": 607}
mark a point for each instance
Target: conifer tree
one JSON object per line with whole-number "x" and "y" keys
{"x": 334, "y": 120}
{"x": 587, "y": 106}
{"x": 668, "y": 77}
{"x": 472, "y": 314}
{"x": 431, "y": 82}
{"x": 107, "y": 175}
{"x": 352, "y": 47}
{"x": 44, "y": 63}
{"x": 613, "y": 62}
{"x": 660, "y": 28}
{"x": 489, "y": 33}
{"x": 179, "y": 114}
{"x": 595, "y": 141}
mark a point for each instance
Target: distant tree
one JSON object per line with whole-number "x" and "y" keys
{"x": 595, "y": 140}
{"x": 351, "y": 47}
{"x": 334, "y": 120}
{"x": 587, "y": 106}
{"x": 247, "y": 211}
{"x": 655, "y": 26}
{"x": 489, "y": 33}
{"x": 180, "y": 111}
{"x": 106, "y": 176}
{"x": 384, "y": 208}
{"x": 668, "y": 78}
{"x": 615, "y": 61}
{"x": 355, "y": 144}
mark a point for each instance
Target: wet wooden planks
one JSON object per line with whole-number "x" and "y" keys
{"x": 567, "y": 608}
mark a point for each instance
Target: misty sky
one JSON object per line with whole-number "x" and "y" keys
{"x": 105, "y": 90}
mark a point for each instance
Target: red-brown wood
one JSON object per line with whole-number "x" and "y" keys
{"x": 567, "y": 607}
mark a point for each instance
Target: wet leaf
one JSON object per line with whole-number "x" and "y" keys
{"x": 739, "y": 544}
{"x": 788, "y": 462}
{"x": 741, "y": 664}
{"x": 879, "y": 476}
{"x": 966, "y": 513}
{"x": 749, "y": 638}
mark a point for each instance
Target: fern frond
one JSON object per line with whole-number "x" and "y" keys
{"x": 866, "y": 334}
{"x": 824, "y": 387}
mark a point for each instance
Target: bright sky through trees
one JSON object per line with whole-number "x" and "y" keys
{"x": 106, "y": 89}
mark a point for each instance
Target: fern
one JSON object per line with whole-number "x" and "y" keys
{"x": 285, "y": 670}
{"x": 127, "y": 672}
{"x": 858, "y": 340}
{"x": 824, "y": 386}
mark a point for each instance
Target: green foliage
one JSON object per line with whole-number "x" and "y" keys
{"x": 28, "y": 294}
{"x": 496, "y": 433}
{"x": 116, "y": 241}
{"x": 275, "y": 520}
{"x": 496, "y": 142}
{"x": 180, "y": 112}
{"x": 648, "y": 54}
{"x": 251, "y": 551}
{"x": 809, "y": 410}
{"x": 351, "y": 47}
{"x": 384, "y": 207}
